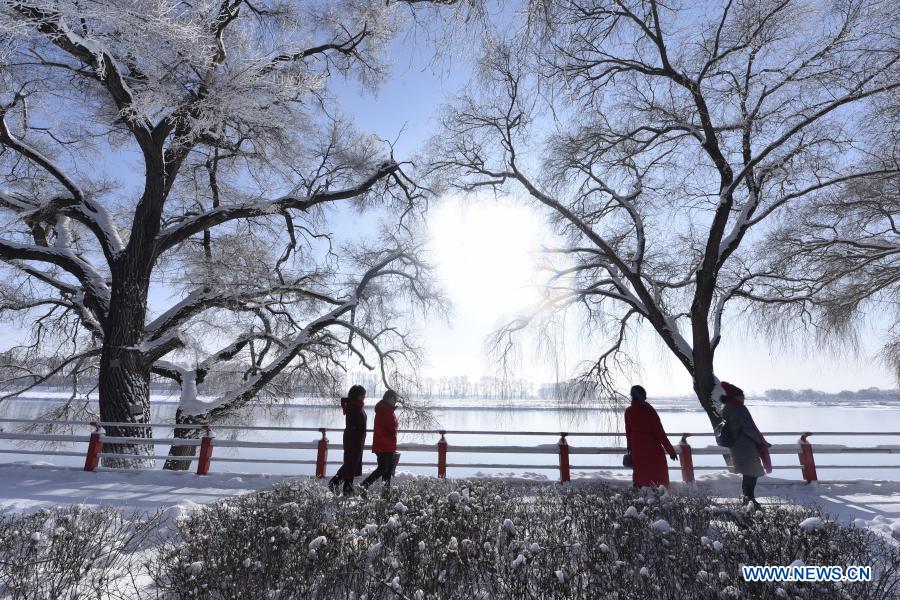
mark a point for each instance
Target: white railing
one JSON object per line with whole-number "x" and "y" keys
{"x": 97, "y": 441}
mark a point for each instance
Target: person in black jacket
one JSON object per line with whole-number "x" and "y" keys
{"x": 354, "y": 439}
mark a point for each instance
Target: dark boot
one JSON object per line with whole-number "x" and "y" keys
{"x": 750, "y": 502}
{"x": 348, "y": 488}
{"x": 333, "y": 484}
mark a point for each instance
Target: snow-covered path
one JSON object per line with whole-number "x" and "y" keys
{"x": 875, "y": 505}
{"x": 28, "y": 487}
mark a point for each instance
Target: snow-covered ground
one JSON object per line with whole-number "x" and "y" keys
{"x": 29, "y": 487}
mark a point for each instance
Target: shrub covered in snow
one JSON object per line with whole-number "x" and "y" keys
{"x": 435, "y": 540}
{"x": 74, "y": 552}
{"x": 485, "y": 539}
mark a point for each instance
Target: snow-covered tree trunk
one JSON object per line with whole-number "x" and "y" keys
{"x": 183, "y": 434}
{"x": 702, "y": 350}
{"x": 124, "y": 380}
{"x": 125, "y": 398}
{"x": 704, "y": 383}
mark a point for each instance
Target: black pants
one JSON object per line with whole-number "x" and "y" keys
{"x": 748, "y": 485}
{"x": 385, "y": 466}
{"x": 344, "y": 473}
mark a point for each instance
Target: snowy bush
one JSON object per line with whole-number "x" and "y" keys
{"x": 74, "y": 552}
{"x": 485, "y": 539}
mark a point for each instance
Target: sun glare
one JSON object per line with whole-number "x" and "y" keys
{"x": 487, "y": 252}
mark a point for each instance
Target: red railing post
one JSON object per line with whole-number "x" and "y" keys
{"x": 322, "y": 455}
{"x": 685, "y": 457}
{"x": 563, "y": 458}
{"x": 205, "y": 451}
{"x": 95, "y": 447}
{"x": 807, "y": 461}
{"x": 442, "y": 456}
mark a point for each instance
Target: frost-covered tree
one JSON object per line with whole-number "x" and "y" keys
{"x": 197, "y": 147}
{"x": 662, "y": 139}
{"x": 836, "y": 262}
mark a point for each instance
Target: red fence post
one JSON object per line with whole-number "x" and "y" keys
{"x": 442, "y": 456}
{"x": 807, "y": 461}
{"x": 685, "y": 457}
{"x": 322, "y": 455}
{"x": 205, "y": 451}
{"x": 563, "y": 458}
{"x": 95, "y": 447}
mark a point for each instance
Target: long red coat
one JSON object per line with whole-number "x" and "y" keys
{"x": 384, "y": 437}
{"x": 649, "y": 445}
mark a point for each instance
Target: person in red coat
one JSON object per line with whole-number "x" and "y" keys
{"x": 384, "y": 439}
{"x": 354, "y": 439}
{"x": 647, "y": 442}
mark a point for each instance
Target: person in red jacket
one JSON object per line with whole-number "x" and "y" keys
{"x": 647, "y": 442}
{"x": 384, "y": 439}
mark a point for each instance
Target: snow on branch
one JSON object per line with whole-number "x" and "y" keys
{"x": 96, "y": 292}
{"x": 40, "y": 379}
{"x": 350, "y": 312}
{"x": 91, "y": 52}
{"x": 176, "y": 234}
{"x": 206, "y": 298}
{"x": 92, "y": 215}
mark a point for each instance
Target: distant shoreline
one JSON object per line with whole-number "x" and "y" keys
{"x": 676, "y": 404}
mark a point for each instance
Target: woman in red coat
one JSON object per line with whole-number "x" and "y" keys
{"x": 384, "y": 439}
{"x": 354, "y": 439}
{"x": 647, "y": 442}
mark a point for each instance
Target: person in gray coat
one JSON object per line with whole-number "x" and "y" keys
{"x": 750, "y": 449}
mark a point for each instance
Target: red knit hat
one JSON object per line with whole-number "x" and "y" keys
{"x": 731, "y": 391}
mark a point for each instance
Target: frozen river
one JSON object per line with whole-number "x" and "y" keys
{"x": 678, "y": 416}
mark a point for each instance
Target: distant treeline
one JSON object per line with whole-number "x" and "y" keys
{"x": 461, "y": 387}
{"x": 870, "y": 394}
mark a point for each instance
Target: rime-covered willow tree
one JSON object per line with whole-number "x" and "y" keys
{"x": 663, "y": 139}
{"x": 836, "y": 262}
{"x": 197, "y": 147}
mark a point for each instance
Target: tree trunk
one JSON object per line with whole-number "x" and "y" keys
{"x": 124, "y": 371}
{"x": 704, "y": 384}
{"x": 125, "y": 398}
{"x": 184, "y": 434}
{"x": 703, "y": 351}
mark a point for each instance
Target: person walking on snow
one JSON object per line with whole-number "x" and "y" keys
{"x": 384, "y": 439}
{"x": 647, "y": 442}
{"x": 354, "y": 439}
{"x": 750, "y": 452}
